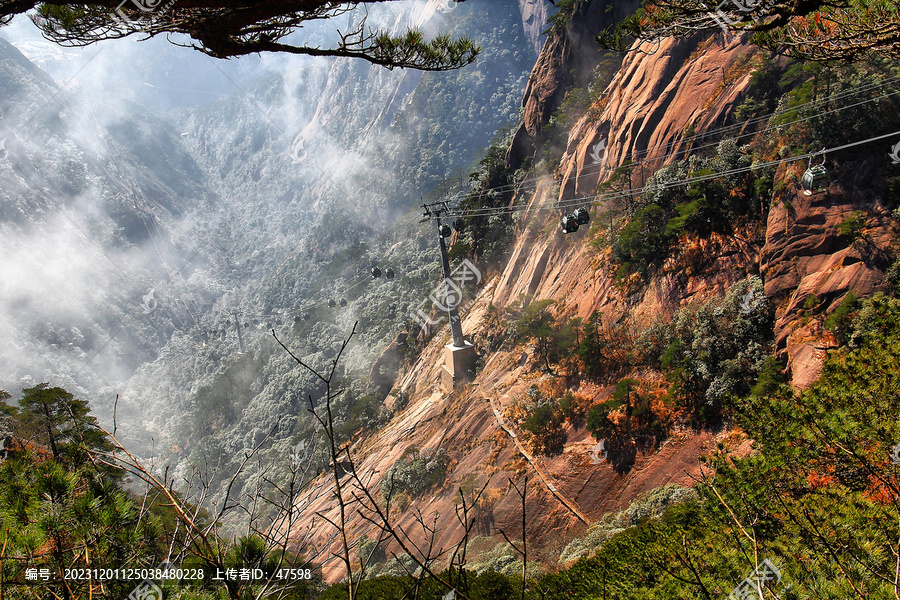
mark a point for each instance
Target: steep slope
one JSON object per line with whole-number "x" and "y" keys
{"x": 314, "y": 162}
{"x": 94, "y": 209}
{"x": 569, "y": 490}
{"x": 654, "y": 98}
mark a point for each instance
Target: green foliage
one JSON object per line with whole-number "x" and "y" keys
{"x": 559, "y": 20}
{"x": 892, "y": 278}
{"x": 604, "y": 349}
{"x": 811, "y": 302}
{"x": 545, "y": 427}
{"x": 665, "y": 212}
{"x": 852, "y": 226}
{"x": 874, "y": 320}
{"x": 637, "y": 420}
{"x": 357, "y": 413}
{"x": 551, "y": 341}
{"x": 568, "y": 407}
{"x": 53, "y": 518}
{"x": 839, "y": 321}
{"x": 458, "y": 251}
{"x": 488, "y": 238}
{"x": 88, "y": 23}
{"x": 818, "y": 32}
{"x": 598, "y": 422}
{"x": 718, "y": 348}
{"x": 817, "y": 495}
{"x": 643, "y": 508}
{"x": 55, "y": 418}
{"x": 416, "y": 473}
{"x": 543, "y": 422}
{"x": 771, "y": 377}
{"x": 370, "y": 552}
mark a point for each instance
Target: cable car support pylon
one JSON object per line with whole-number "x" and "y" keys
{"x": 459, "y": 357}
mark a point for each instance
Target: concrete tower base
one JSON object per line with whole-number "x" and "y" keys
{"x": 459, "y": 365}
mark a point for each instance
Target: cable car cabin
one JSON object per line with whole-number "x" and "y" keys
{"x": 376, "y": 272}
{"x": 331, "y": 303}
{"x": 306, "y": 316}
{"x": 445, "y": 231}
{"x": 343, "y": 302}
{"x": 582, "y": 216}
{"x": 389, "y": 273}
{"x": 569, "y": 224}
{"x": 815, "y": 180}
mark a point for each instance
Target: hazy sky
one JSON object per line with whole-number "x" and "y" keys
{"x": 62, "y": 282}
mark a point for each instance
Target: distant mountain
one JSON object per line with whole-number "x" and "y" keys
{"x": 245, "y": 212}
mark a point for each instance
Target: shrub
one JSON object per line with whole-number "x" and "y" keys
{"x": 718, "y": 348}
{"x": 598, "y": 422}
{"x": 416, "y": 473}
{"x": 667, "y": 212}
{"x": 839, "y": 321}
{"x": 852, "y": 226}
{"x": 551, "y": 342}
{"x": 544, "y": 426}
{"x": 892, "y": 278}
{"x": 541, "y": 419}
{"x": 771, "y": 377}
{"x": 370, "y": 552}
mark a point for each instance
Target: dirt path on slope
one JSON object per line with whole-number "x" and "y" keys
{"x": 545, "y": 477}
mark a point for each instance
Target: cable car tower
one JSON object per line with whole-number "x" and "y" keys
{"x": 459, "y": 356}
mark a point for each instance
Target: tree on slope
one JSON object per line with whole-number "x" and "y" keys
{"x": 227, "y": 28}
{"x": 56, "y": 419}
{"x": 817, "y": 30}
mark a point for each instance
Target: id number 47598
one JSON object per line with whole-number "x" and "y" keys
{"x": 293, "y": 573}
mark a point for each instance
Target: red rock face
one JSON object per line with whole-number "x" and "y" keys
{"x": 564, "y": 59}
{"x": 799, "y": 252}
{"x": 806, "y": 255}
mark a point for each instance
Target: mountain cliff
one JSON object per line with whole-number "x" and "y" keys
{"x": 658, "y": 106}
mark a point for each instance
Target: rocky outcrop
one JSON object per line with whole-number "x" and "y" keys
{"x": 810, "y": 262}
{"x": 649, "y": 106}
{"x": 566, "y": 59}
{"x": 546, "y": 264}
{"x": 534, "y": 19}
{"x": 800, "y": 251}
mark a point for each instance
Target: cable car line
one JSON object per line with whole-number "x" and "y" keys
{"x": 581, "y": 216}
{"x": 523, "y": 186}
{"x": 591, "y": 200}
